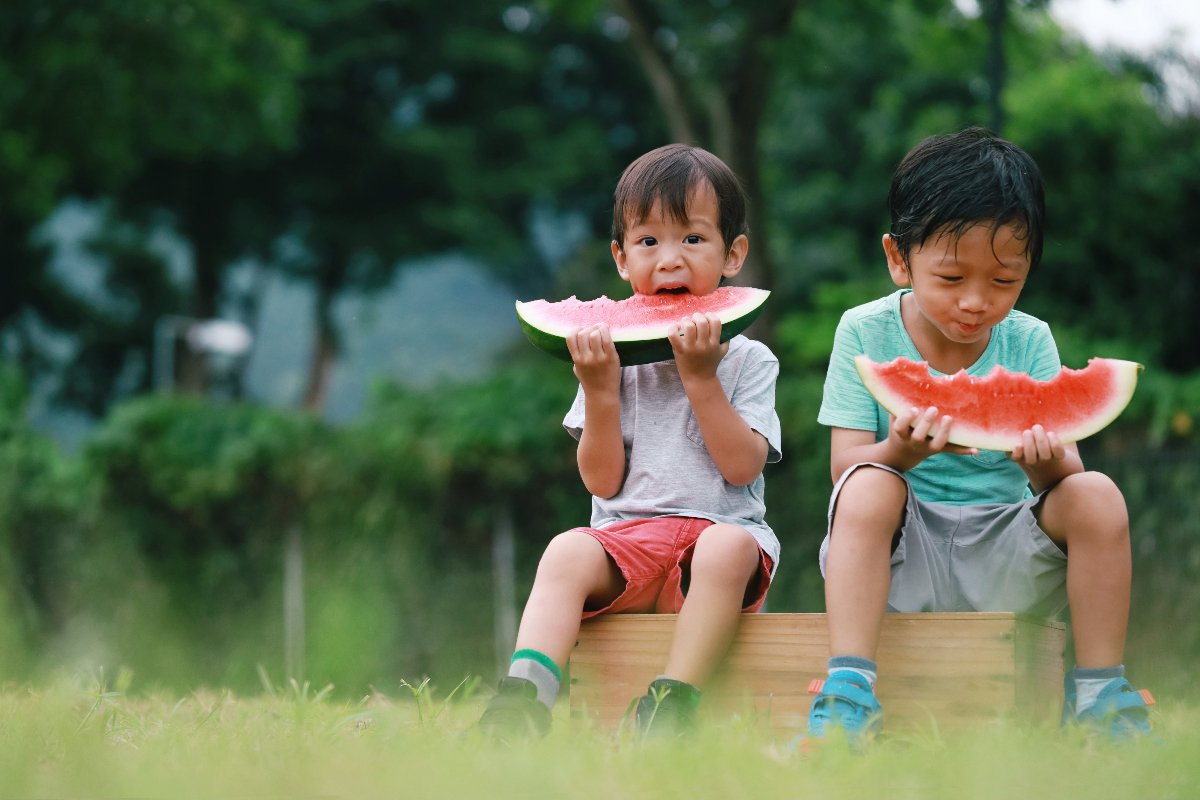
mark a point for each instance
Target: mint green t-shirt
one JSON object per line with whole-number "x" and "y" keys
{"x": 1019, "y": 343}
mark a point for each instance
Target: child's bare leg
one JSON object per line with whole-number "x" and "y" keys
{"x": 724, "y": 562}
{"x": 1087, "y": 513}
{"x": 869, "y": 511}
{"x": 574, "y": 571}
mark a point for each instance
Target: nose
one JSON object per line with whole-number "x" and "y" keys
{"x": 670, "y": 258}
{"x": 973, "y": 300}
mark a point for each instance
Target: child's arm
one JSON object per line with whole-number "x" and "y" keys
{"x": 601, "y": 451}
{"x": 1045, "y": 459}
{"x": 908, "y": 443}
{"x": 739, "y": 451}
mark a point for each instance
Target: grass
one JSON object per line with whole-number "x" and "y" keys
{"x": 91, "y": 740}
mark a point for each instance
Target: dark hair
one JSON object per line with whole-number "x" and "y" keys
{"x": 669, "y": 175}
{"x": 950, "y": 183}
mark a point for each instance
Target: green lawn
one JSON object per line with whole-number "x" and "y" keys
{"x": 75, "y": 741}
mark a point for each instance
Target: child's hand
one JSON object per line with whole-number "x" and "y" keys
{"x": 597, "y": 365}
{"x": 921, "y": 434}
{"x": 1038, "y": 446}
{"x": 697, "y": 344}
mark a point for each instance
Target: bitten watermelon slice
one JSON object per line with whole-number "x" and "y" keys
{"x": 992, "y": 412}
{"x": 639, "y": 324}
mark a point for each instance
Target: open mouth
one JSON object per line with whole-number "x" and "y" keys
{"x": 673, "y": 290}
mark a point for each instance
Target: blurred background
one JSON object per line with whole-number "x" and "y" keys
{"x": 264, "y": 404}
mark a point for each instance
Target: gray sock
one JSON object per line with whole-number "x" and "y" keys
{"x": 1090, "y": 682}
{"x": 540, "y": 670}
{"x": 856, "y": 664}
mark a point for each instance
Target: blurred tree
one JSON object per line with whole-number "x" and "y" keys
{"x": 425, "y": 132}
{"x": 995, "y": 15}
{"x": 1122, "y": 170}
{"x": 93, "y": 95}
{"x": 339, "y": 141}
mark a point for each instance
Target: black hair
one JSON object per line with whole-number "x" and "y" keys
{"x": 669, "y": 175}
{"x": 947, "y": 184}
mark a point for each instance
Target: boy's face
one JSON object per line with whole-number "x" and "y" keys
{"x": 661, "y": 254}
{"x": 961, "y": 287}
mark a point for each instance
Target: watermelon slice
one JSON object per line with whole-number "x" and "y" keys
{"x": 639, "y": 324}
{"x": 992, "y": 412}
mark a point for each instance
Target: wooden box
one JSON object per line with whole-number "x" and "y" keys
{"x": 948, "y": 668}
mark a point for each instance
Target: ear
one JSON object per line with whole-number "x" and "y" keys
{"x": 895, "y": 262}
{"x": 619, "y": 257}
{"x": 736, "y": 256}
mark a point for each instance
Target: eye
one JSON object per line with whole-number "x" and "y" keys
{"x": 949, "y": 278}
{"x": 648, "y": 241}
{"x": 1005, "y": 282}
{"x": 693, "y": 238}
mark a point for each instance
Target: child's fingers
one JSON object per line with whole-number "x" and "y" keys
{"x": 941, "y": 432}
{"x": 684, "y": 333}
{"x": 1035, "y": 446}
{"x": 902, "y": 424}
{"x": 1057, "y": 448}
{"x": 699, "y": 331}
{"x": 585, "y": 344}
{"x": 923, "y": 425}
{"x": 708, "y": 328}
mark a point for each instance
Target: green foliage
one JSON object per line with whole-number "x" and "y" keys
{"x": 93, "y": 90}
{"x": 43, "y": 502}
{"x": 1115, "y": 167}
{"x": 95, "y": 738}
{"x": 98, "y": 96}
{"x": 206, "y": 475}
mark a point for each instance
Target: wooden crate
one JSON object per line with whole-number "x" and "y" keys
{"x": 952, "y": 668}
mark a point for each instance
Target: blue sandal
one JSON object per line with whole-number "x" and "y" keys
{"x": 1120, "y": 712}
{"x": 844, "y": 701}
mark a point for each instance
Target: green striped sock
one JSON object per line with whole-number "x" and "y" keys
{"x": 540, "y": 670}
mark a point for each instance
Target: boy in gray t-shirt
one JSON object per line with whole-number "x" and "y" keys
{"x": 672, "y": 453}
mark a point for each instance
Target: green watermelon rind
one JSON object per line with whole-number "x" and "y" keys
{"x": 650, "y": 346}
{"x": 973, "y": 433}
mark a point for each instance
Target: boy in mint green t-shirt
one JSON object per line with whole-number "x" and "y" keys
{"x": 917, "y": 524}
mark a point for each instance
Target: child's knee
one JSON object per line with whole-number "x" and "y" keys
{"x": 726, "y": 549}
{"x": 1087, "y": 504}
{"x": 870, "y": 494}
{"x": 569, "y": 552}
{"x": 1096, "y": 495}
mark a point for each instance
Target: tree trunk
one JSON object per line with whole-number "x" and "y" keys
{"x": 996, "y": 13}
{"x": 293, "y": 604}
{"x": 325, "y": 339}
{"x": 504, "y": 582}
{"x": 669, "y": 90}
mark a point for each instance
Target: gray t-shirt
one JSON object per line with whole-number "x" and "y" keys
{"x": 668, "y": 469}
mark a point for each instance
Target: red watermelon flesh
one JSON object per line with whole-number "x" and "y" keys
{"x": 992, "y": 412}
{"x": 639, "y": 324}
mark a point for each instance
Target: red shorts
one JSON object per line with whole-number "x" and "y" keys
{"x": 654, "y": 556}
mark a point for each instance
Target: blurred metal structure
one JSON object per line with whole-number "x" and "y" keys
{"x": 223, "y": 342}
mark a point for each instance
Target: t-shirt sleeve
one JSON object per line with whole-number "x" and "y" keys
{"x": 754, "y": 400}
{"x": 1044, "y": 361}
{"x": 845, "y": 402}
{"x": 573, "y": 421}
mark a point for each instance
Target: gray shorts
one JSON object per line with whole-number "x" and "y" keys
{"x": 991, "y": 557}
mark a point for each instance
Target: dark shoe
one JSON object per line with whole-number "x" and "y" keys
{"x": 515, "y": 713}
{"x": 667, "y": 708}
